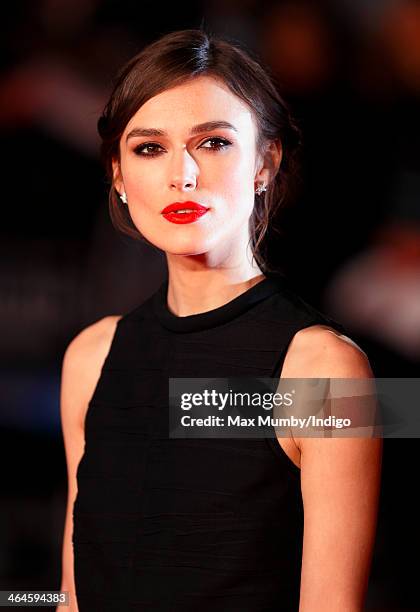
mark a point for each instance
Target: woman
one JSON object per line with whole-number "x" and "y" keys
{"x": 200, "y": 147}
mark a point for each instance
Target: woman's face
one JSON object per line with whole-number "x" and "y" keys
{"x": 195, "y": 143}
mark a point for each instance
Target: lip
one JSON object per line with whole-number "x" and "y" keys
{"x": 169, "y": 212}
{"x": 178, "y": 205}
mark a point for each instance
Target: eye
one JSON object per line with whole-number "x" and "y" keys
{"x": 216, "y": 143}
{"x": 148, "y": 149}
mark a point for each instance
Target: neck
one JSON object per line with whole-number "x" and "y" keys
{"x": 199, "y": 283}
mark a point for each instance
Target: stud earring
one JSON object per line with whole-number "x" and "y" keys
{"x": 123, "y": 197}
{"x": 261, "y": 187}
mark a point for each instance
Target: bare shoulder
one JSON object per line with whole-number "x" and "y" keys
{"x": 93, "y": 340}
{"x": 82, "y": 364}
{"x": 321, "y": 351}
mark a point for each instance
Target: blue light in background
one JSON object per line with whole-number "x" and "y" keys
{"x": 30, "y": 400}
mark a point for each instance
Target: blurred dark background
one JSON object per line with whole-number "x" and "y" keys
{"x": 351, "y": 71}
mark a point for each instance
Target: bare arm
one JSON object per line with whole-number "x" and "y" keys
{"x": 81, "y": 369}
{"x": 340, "y": 479}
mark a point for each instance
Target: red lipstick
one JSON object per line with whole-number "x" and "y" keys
{"x": 184, "y": 212}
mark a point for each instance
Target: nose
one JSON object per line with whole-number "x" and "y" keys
{"x": 183, "y": 172}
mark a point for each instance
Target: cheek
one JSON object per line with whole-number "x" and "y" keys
{"x": 238, "y": 183}
{"x": 139, "y": 177}
{"x": 143, "y": 184}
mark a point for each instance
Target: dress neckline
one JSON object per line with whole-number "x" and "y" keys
{"x": 217, "y": 316}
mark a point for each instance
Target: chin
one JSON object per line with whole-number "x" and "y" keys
{"x": 192, "y": 249}
{"x": 187, "y": 246}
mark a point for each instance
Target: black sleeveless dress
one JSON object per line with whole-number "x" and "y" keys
{"x": 204, "y": 525}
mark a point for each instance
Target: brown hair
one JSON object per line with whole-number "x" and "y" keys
{"x": 180, "y": 56}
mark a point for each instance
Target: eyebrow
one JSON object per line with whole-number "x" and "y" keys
{"x": 209, "y": 126}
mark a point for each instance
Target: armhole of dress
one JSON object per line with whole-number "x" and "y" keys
{"x": 114, "y": 335}
{"x": 280, "y": 453}
{"x": 88, "y": 412}
{"x": 272, "y": 441}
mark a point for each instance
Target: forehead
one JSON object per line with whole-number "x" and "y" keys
{"x": 196, "y": 101}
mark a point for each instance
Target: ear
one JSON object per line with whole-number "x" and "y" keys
{"x": 116, "y": 176}
{"x": 269, "y": 162}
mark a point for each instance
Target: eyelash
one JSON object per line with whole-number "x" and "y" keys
{"x": 223, "y": 144}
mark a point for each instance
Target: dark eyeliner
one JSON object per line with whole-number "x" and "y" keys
{"x": 224, "y": 141}
{"x": 138, "y": 149}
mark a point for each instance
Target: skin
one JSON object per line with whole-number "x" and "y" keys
{"x": 209, "y": 264}
{"x": 208, "y": 261}
{"x": 340, "y": 482}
